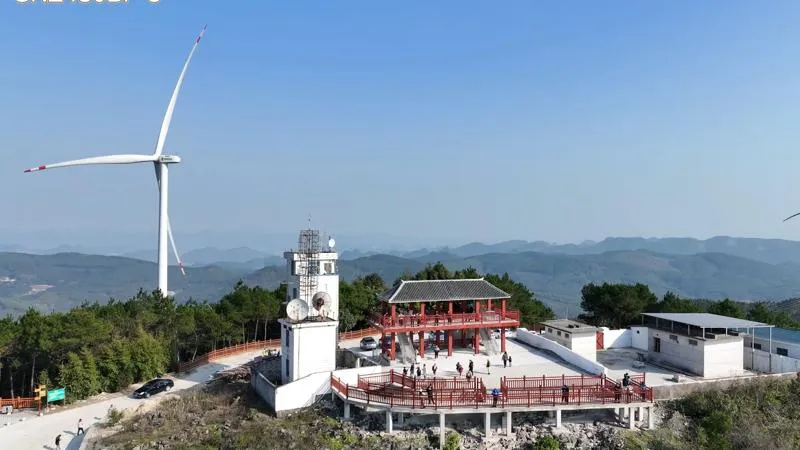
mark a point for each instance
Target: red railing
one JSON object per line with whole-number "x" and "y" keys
{"x": 443, "y": 321}
{"x": 579, "y": 395}
{"x": 381, "y": 380}
{"x": 20, "y": 402}
{"x": 524, "y": 382}
{"x": 581, "y": 389}
{"x": 394, "y": 389}
{"x": 573, "y": 381}
{"x": 415, "y": 399}
{"x": 358, "y": 334}
{"x": 258, "y": 345}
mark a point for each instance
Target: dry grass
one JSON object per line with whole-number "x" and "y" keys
{"x": 230, "y": 416}
{"x": 761, "y": 414}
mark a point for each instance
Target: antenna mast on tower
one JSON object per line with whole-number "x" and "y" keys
{"x": 308, "y": 248}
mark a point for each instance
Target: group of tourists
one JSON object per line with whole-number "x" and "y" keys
{"x": 418, "y": 371}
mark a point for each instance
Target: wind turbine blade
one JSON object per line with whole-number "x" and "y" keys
{"x": 110, "y": 159}
{"x": 792, "y": 216}
{"x": 174, "y": 248}
{"x": 162, "y": 136}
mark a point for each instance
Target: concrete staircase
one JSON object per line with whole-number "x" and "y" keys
{"x": 407, "y": 353}
{"x": 489, "y": 343}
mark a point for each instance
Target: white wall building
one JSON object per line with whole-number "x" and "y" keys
{"x": 307, "y": 348}
{"x": 576, "y": 336}
{"x": 707, "y": 345}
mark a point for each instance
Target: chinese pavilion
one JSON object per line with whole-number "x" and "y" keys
{"x": 464, "y": 311}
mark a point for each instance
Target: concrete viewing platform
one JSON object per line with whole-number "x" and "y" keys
{"x": 525, "y": 361}
{"x": 629, "y": 413}
{"x": 397, "y": 396}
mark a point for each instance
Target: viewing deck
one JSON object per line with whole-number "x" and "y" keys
{"x": 394, "y": 390}
{"x": 442, "y": 322}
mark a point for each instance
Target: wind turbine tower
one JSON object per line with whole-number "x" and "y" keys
{"x": 161, "y": 164}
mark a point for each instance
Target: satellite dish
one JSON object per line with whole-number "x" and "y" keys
{"x": 320, "y": 299}
{"x": 331, "y": 243}
{"x": 297, "y": 310}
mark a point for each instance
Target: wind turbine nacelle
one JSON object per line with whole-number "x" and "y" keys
{"x": 169, "y": 159}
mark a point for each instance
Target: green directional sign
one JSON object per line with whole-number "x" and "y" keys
{"x": 55, "y": 395}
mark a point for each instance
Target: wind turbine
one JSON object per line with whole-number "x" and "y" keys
{"x": 160, "y": 162}
{"x": 792, "y": 216}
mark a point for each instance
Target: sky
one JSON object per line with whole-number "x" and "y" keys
{"x": 442, "y": 122}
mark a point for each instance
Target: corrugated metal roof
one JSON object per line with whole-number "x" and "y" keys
{"x": 706, "y": 320}
{"x": 443, "y": 290}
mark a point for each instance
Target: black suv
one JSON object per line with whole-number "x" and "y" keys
{"x": 153, "y": 387}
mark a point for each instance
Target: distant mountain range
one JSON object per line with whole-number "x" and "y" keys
{"x": 772, "y": 251}
{"x": 739, "y": 268}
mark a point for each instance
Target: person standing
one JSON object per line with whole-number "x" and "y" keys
{"x": 429, "y": 389}
{"x": 433, "y": 369}
{"x": 471, "y": 366}
{"x": 80, "y": 428}
{"x": 488, "y": 367}
{"x": 435, "y": 352}
{"x": 495, "y": 396}
{"x": 419, "y": 372}
{"x": 509, "y": 360}
{"x": 505, "y": 359}
{"x": 424, "y": 371}
{"x": 58, "y": 442}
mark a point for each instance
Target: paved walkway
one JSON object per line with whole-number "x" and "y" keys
{"x": 526, "y": 361}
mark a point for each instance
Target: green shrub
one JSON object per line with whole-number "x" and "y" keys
{"x": 546, "y": 443}
{"x": 452, "y": 441}
{"x": 113, "y": 416}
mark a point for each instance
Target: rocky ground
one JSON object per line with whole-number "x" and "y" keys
{"x": 597, "y": 430}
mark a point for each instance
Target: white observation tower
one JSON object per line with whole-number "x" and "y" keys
{"x": 308, "y": 333}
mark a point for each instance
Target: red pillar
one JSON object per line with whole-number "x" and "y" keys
{"x": 449, "y": 342}
{"x": 382, "y": 342}
{"x": 477, "y": 341}
{"x": 489, "y": 305}
{"x": 392, "y": 349}
{"x": 503, "y": 309}
{"x": 394, "y": 314}
{"x": 422, "y": 345}
{"x": 502, "y": 339}
{"x": 421, "y": 313}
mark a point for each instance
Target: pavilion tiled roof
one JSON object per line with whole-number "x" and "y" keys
{"x": 408, "y": 291}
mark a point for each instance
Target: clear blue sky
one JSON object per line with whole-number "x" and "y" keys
{"x": 464, "y": 120}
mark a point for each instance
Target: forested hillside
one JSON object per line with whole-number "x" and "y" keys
{"x": 106, "y": 346}
{"x": 59, "y": 282}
